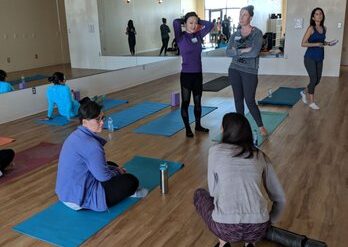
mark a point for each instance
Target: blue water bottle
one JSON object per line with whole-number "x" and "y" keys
{"x": 110, "y": 124}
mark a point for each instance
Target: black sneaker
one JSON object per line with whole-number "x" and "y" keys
{"x": 189, "y": 133}
{"x": 201, "y": 129}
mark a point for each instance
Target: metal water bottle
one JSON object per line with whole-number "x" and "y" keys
{"x": 164, "y": 178}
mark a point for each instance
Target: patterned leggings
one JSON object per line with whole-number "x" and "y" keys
{"x": 250, "y": 233}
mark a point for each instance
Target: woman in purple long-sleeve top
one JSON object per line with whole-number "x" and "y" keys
{"x": 190, "y": 45}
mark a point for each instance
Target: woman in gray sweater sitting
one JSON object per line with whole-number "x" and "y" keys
{"x": 235, "y": 209}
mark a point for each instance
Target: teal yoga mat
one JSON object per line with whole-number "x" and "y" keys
{"x": 62, "y": 226}
{"x": 170, "y": 123}
{"x": 57, "y": 120}
{"x": 111, "y": 103}
{"x": 271, "y": 120}
{"x": 283, "y": 96}
{"x": 132, "y": 114}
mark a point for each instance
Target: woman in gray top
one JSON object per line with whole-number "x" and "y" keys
{"x": 235, "y": 208}
{"x": 244, "y": 47}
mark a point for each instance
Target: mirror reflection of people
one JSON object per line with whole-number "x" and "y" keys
{"x": 59, "y": 94}
{"x": 190, "y": 45}
{"x": 226, "y": 27}
{"x": 6, "y": 159}
{"x": 5, "y": 87}
{"x": 85, "y": 179}
{"x": 165, "y": 30}
{"x": 244, "y": 47}
{"x": 314, "y": 40}
{"x": 130, "y": 31}
{"x": 241, "y": 179}
{"x": 214, "y": 34}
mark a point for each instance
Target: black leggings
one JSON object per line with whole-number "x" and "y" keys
{"x": 314, "y": 70}
{"x": 164, "y": 46}
{"x": 244, "y": 87}
{"x": 119, "y": 187}
{"x": 191, "y": 82}
{"x": 6, "y": 157}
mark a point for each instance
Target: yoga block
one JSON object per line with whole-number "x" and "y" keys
{"x": 175, "y": 99}
{"x": 285, "y": 238}
{"x": 76, "y": 94}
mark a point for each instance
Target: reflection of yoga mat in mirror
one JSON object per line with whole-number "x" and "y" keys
{"x": 62, "y": 226}
{"x": 283, "y": 96}
{"x": 5, "y": 140}
{"x": 29, "y": 79}
{"x": 170, "y": 123}
{"x": 31, "y": 159}
{"x": 132, "y": 114}
{"x": 216, "y": 84}
{"x": 271, "y": 120}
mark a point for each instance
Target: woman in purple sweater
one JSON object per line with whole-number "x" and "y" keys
{"x": 190, "y": 45}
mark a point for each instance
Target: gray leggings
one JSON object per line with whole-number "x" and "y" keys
{"x": 244, "y": 87}
{"x": 314, "y": 70}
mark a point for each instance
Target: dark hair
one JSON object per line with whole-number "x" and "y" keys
{"x": 250, "y": 9}
{"x": 3, "y": 75}
{"x": 130, "y": 24}
{"x": 89, "y": 109}
{"x": 164, "y": 20}
{"x": 188, "y": 15}
{"x": 56, "y": 78}
{"x": 237, "y": 131}
{"x": 312, "y": 22}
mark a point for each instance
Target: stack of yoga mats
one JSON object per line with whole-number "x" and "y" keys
{"x": 62, "y": 226}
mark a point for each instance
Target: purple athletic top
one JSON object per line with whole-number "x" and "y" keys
{"x": 190, "y": 45}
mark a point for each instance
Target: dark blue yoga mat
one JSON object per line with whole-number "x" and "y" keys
{"x": 111, "y": 103}
{"x": 271, "y": 120}
{"x": 170, "y": 123}
{"x": 62, "y": 226}
{"x": 283, "y": 96}
{"x": 29, "y": 78}
{"x": 57, "y": 120}
{"x": 134, "y": 113}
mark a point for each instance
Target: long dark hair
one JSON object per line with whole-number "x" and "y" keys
{"x": 237, "y": 131}
{"x": 130, "y": 25}
{"x": 89, "y": 109}
{"x": 312, "y": 22}
{"x": 3, "y": 75}
{"x": 56, "y": 78}
{"x": 190, "y": 14}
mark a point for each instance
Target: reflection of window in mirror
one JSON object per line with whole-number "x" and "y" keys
{"x": 270, "y": 18}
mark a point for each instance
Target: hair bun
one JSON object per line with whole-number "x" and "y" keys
{"x": 85, "y": 101}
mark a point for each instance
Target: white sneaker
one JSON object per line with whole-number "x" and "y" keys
{"x": 304, "y": 97}
{"x": 314, "y": 106}
{"x": 140, "y": 193}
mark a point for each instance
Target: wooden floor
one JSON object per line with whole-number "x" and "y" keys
{"x": 309, "y": 151}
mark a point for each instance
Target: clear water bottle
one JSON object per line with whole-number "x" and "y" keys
{"x": 22, "y": 83}
{"x": 255, "y": 138}
{"x": 270, "y": 92}
{"x": 164, "y": 178}
{"x": 110, "y": 124}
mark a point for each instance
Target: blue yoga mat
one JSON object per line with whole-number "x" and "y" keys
{"x": 57, "y": 120}
{"x": 62, "y": 226}
{"x": 29, "y": 78}
{"x": 283, "y": 96}
{"x": 111, "y": 103}
{"x": 271, "y": 120}
{"x": 170, "y": 123}
{"x": 134, "y": 113}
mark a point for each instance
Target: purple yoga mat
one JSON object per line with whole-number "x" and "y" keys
{"x": 31, "y": 159}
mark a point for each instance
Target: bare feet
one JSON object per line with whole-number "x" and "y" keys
{"x": 263, "y": 131}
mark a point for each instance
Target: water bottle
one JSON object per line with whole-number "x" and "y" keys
{"x": 270, "y": 92}
{"x": 255, "y": 138}
{"x": 110, "y": 124}
{"x": 22, "y": 83}
{"x": 164, "y": 178}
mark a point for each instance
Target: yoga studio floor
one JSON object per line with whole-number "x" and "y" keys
{"x": 309, "y": 151}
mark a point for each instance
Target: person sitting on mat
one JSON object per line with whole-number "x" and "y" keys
{"x": 6, "y": 158}
{"x": 235, "y": 208}
{"x": 5, "y": 87}
{"x": 84, "y": 178}
{"x": 60, "y": 94}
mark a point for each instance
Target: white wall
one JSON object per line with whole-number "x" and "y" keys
{"x": 29, "y": 28}
{"x": 23, "y": 103}
{"x": 292, "y": 64}
{"x": 344, "y": 60}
